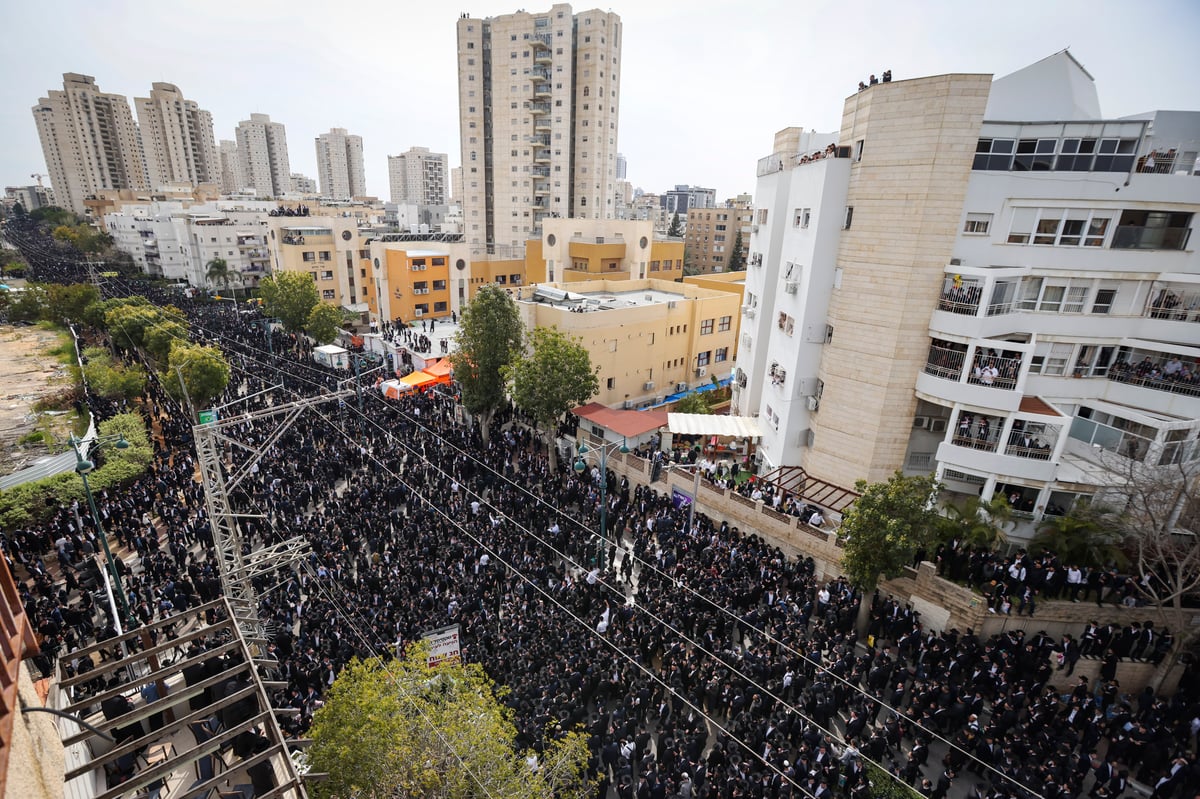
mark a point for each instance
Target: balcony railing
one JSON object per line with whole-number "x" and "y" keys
{"x": 987, "y": 443}
{"x": 1186, "y": 382}
{"x": 1138, "y": 237}
{"x": 1170, "y": 160}
{"x": 1179, "y": 306}
{"x": 945, "y": 363}
{"x": 995, "y": 371}
{"x": 960, "y": 297}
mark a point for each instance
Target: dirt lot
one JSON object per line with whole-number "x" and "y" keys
{"x": 28, "y": 372}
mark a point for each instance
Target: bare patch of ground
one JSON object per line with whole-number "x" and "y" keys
{"x": 29, "y": 371}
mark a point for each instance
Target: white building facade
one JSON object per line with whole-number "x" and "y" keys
{"x": 1061, "y": 334}
{"x": 177, "y": 138}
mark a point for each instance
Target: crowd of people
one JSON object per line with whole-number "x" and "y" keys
{"x": 701, "y": 660}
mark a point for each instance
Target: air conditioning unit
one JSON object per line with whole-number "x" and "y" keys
{"x": 754, "y": 228}
{"x": 418, "y": 312}
{"x": 628, "y": 405}
{"x": 937, "y": 425}
{"x": 672, "y": 304}
{"x": 648, "y": 385}
{"x": 921, "y": 422}
{"x": 681, "y": 386}
{"x": 956, "y": 261}
{"x": 814, "y": 404}
{"x": 701, "y": 371}
{"x": 791, "y": 286}
{"x": 750, "y": 313}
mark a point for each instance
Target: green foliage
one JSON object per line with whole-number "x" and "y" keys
{"x": 737, "y": 258}
{"x": 488, "y": 338}
{"x": 128, "y": 324}
{"x": 433, "y": 732}
{"x": 204, "y": 370}
{"x": 113, "y": 379}
{"x": 83, "y": 237}
{"x": 1084, "y": 536}
{"x": 35, "y": 437}
{"x": 978, "y": 523}
{"x": 36, "y": 501}
{"x": 676, "y": 228}
{"x": 28, "y": 305}
{"x": 158, "y": 339}
{"x": 553, "y": 377}
{"x": 886, "y": 526}
{"x": 290, "y": 296}
{"x": 324, "y": 322}
{"x": 219, "y": 272}
{"x": 693, "y": 403}
{"x": 71, "y": 301}
{"x": 53, "y": 215}
{"x": 887, "y": 786}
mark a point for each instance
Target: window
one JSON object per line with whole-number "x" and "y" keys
{"x": 803, "y": 215}
{"x": 325, "y": 255}
{"x": 1022, "y": 225}
{"x": 328, "y": 294}
{"x": 978, "y": 224}
{"x": 1076, "y": 299}
{"x": 1052, "y": 297}
{"x": 994, "y": 154}
{"x": 849, "y": 217}
{"x": 722, "y": 354}
{"x": 1104, "y": 300}
{"x": 611, "y": 383}
{"x": 706, "y": 327}
{"x": 1051, "y": 359}
{"x": 703, "y": 358}
{"x": 439, "y": 285}
{"x": 327, "y": 274}
{"x": 724, "y": 323}
{"x": 762, "y": 216}
{"x": 1046, "y": 231}
{"x": 309, "y": 257}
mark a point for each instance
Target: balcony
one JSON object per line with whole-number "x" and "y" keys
{"x": 541, "y": 124}
{"x": 1176, "y": 305}
{"x": 946, "y": 362}
{"x": 541, "y": 189}
{"x": 538, "y": 109}
{"x": 1137, "y": 237}
{"x": 540, "y": 171}
{"x": 1184, "y": 380}
{"x": 539, "y": 73}
{"x": 543, "y": 90}
{"x": 541, "y": 156}
{"x": 960, "y": 296}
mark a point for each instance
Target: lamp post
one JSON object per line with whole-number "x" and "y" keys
{"x": 582, "y": 452}
{"x": 83, "y": 467}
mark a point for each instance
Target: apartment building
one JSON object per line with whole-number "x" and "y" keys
{"x": 89, "y": 140}
{"x": 334, "y": 250}
{"x": 177, "y": 138}
{"x": 1031, "y": 325}
{"x": 712, "y": 233}
{"x": 573, "y": 250}
{"x": 650, "y": 337}
{"x": 232, "y": 179}
{"x": 538, "y": 107}
{"x": 340, "y": 165}
{"x": 263, "y": 154}
{"x": 31, "y": 198}
{"x": 303, "y": 184}
{"x": 419, "y": 177}
{"x": 177, "y": 240}
{"x": 682, "y": 199}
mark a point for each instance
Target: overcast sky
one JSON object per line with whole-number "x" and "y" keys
{"x": 704, "y": 84}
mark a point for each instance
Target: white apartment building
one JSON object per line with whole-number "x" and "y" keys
{"x": 418, "y": 177}
{"x": 340, "y": 165}
{"x": 177, "y": 138}
{"x": 89, "y": 140}
{"x": 538, "y": 107}
{"x": 263, "y": 154}
{"x": 303, "y": 184}
{"x": 1011, "y": 305}
{"x": 233, "y": 179}
{"x": 176, "y": 242}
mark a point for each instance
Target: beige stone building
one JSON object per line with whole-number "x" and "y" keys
{"x": 177, "y": 138}
{"x": 571, "y": 250}
{"x": 89, "y": 140}
{"x": 538, "y": 108}
{"x": 711, "y": 235}
{"x": 263, "y": 154}
{"x": 650, "y": 338}
{"x": 333, "y": 250}
{"x": 340, "y": 165}
{"x": 419, "y": 176}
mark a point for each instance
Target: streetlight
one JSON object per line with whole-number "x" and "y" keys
{"x": 83, "y": 467}
{"x": 582, "y": 453}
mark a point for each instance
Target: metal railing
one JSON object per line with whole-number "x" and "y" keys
{"x": 1166, "y": 160}
{"x": 995, "y": 372}
{"x": 1179, "y": 306}
{"x": 960, "y": 297}
{"x": 945, "y": 363}
{"x": 1187, "y": 385}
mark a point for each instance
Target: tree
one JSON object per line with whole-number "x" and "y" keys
{"x": 555, "y": 375}
{"x": 128, "y": 323}
{"x": 434, "y": 731}
{"x": 676, "y": 228}
{"x": 70, "y": 301}
{"x": 737, "y": 258}
{"x": 886, "y": 526}
{"x": 487, "y": 341}
{"x": 204, "y": 370}
{"x": 112, "y": 380}
{"x": 693, "y": 403}
{"x": 1084, "y": 536}
{"x": 977, "y": 522}
{"x": 159, "y": 337}
{"x": 1159, "y": 521}
{"x": 290, "y": 296}
{"x": 219, "y": 272}
{"x": 324, "y": 322}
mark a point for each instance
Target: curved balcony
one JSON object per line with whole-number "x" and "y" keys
{"x": 978, "y": 374}
{"x": 995, "y": 462}
{"x": 543, "y": 90}
{"x": 538, "y": 109}
{"x": 539, "y": 74}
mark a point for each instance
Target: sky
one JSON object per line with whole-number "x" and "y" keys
{"x": 704, "y": 85}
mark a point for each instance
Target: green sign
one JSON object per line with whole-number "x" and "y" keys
{"x": 208, "y": 417}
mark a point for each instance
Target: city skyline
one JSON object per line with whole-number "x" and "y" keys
{"x": 396, "y": 84}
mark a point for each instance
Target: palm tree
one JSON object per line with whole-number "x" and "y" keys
{"x": 1081, "y": 537}
{"x": 977, "y": 522}
{"x": 219, "y": 272}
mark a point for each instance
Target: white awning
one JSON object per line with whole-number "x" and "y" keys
{"x": 707, "y": 424}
